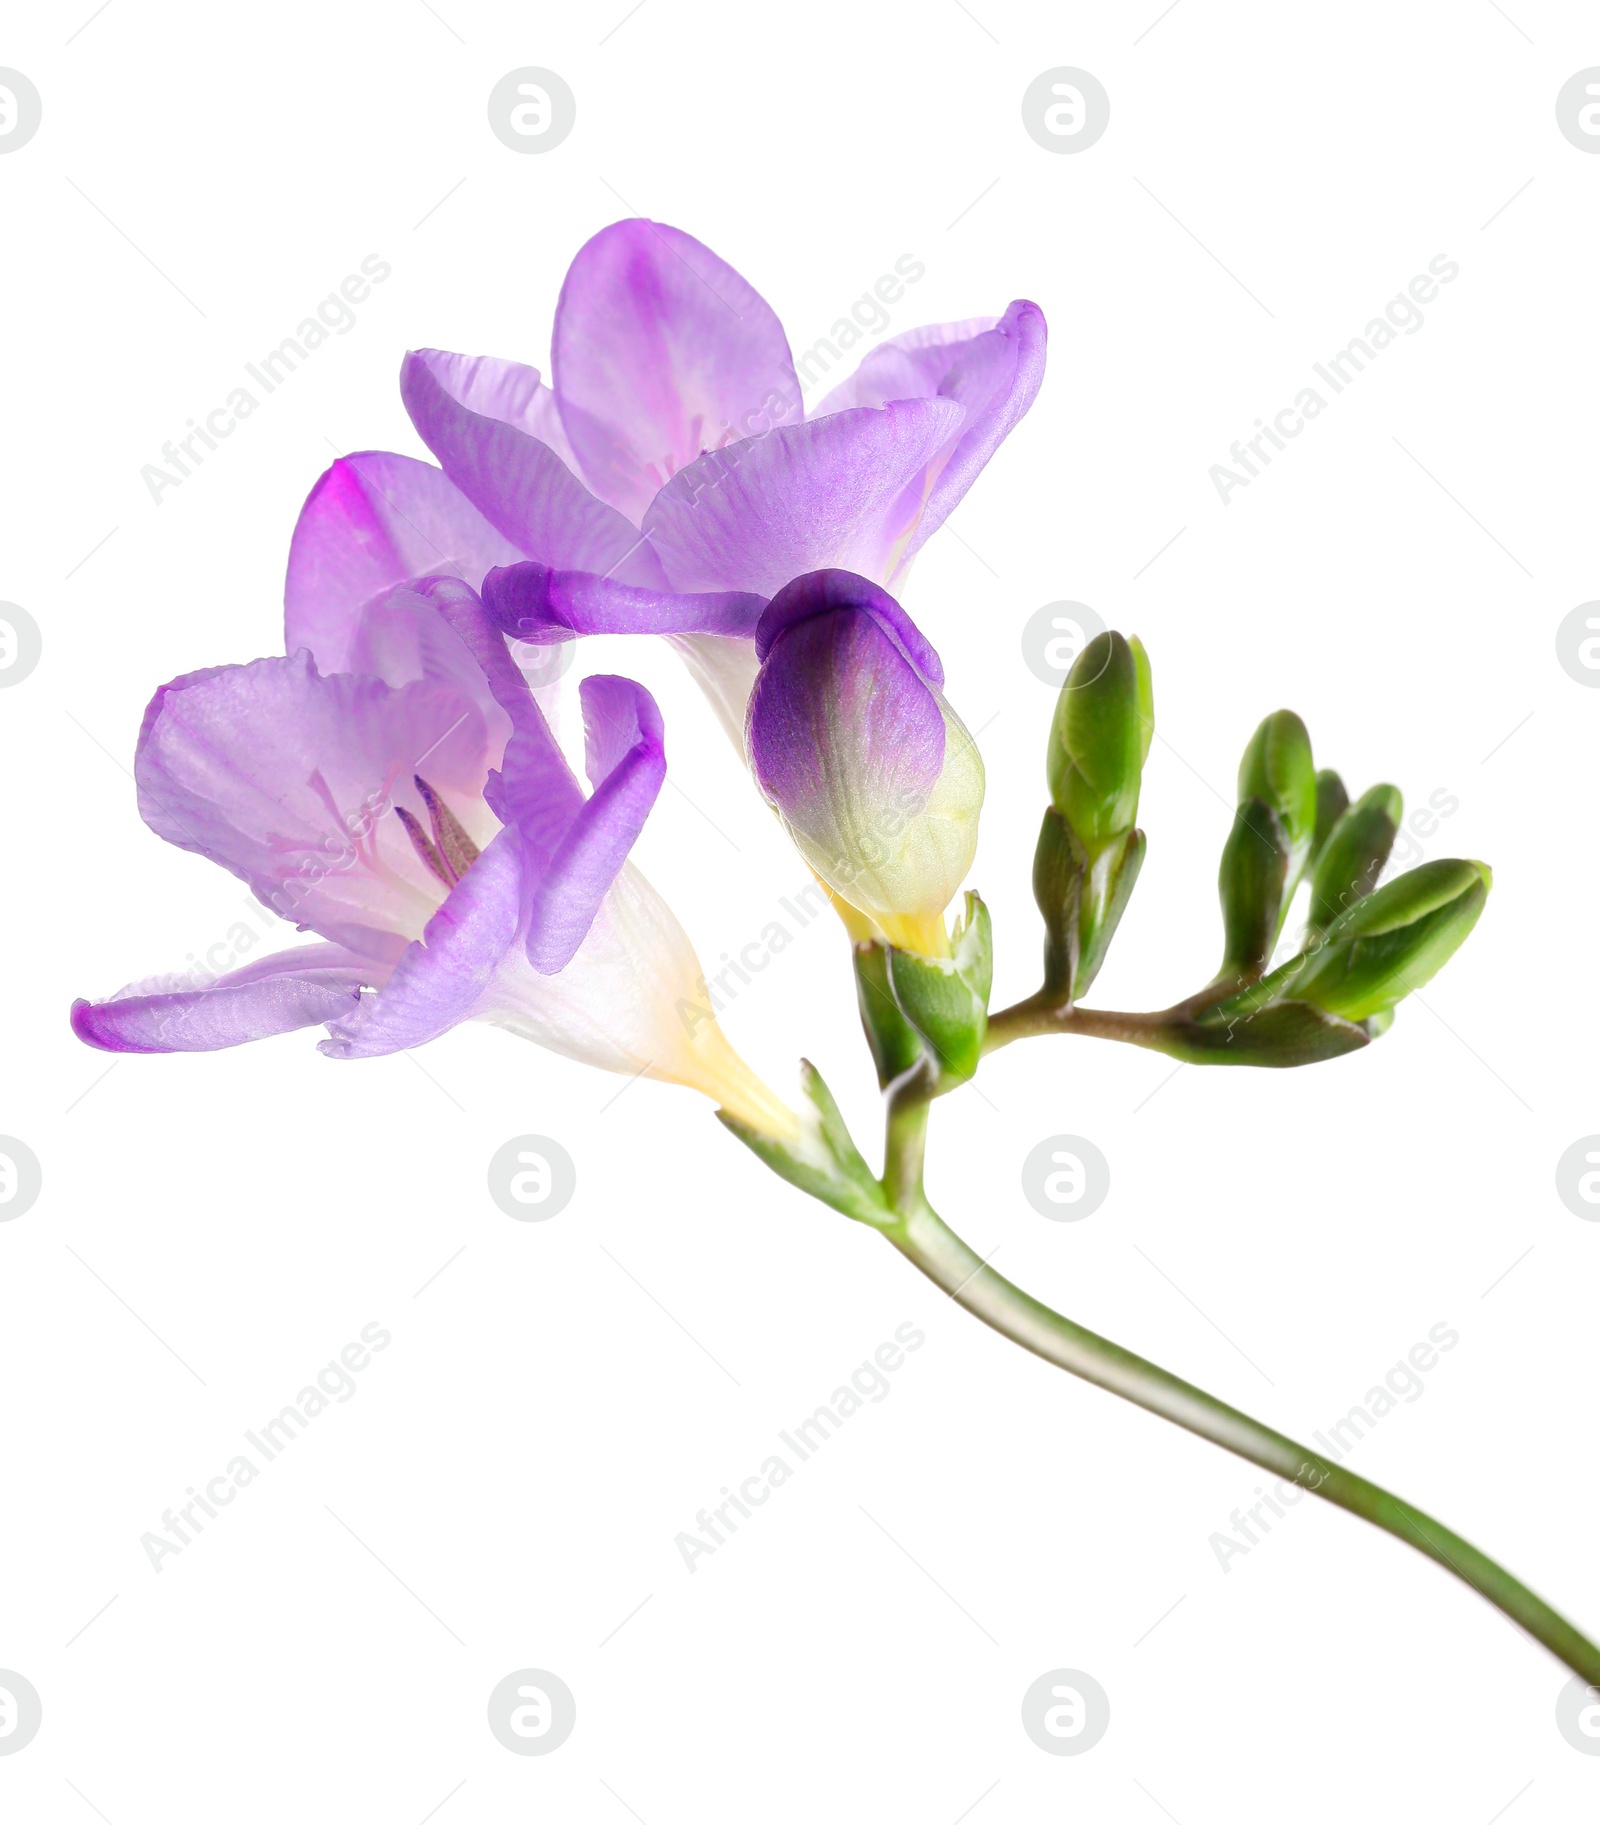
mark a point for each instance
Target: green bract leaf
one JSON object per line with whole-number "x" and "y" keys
{"x": 825, "y": 1162}
{"x": 895, "y": 1046}
{"x": 1392, "y": 941}
{"x": 1353, "y": 856}
{"x": 1332, "y": 803}
{"x": 1280, "y": 1034}
{"x": 1251, "y": 885}
{"x": 1102, "y": 900}
{"x": 947, "y": 998}
{"x": 1059, "y": 867}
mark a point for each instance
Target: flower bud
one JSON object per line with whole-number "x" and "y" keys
{"x": 1099, "y": 739}
{"x": 1277, "y": 769}
{"x": 1089, "y": 852}
{"x": 1332, "y": 803}
{"x": 1390, "y": 942}
{"x": 1353, "y": 855}
{"x": 1270, "y": 843}
{"x": 868, "y": 768}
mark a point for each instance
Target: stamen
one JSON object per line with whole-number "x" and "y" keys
{"x": 431, "y": 858}
{"x": 456, "y": 848}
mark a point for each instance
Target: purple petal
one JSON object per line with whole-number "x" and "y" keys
{"x": 626, "y": 762}
{"x": 461, "y": 611}
{"x": 505, "y": 390}
{"x": 277, "y": 994}
{"x": 290, "y": 780}
{"x": 443, "y": 979}
{"x": 519, "y": 484}
{"x": 825, "y": 590}
{"x": 571, "y": 847}
{"x": 991, "y": 369}
{"x": 374, "y": 520}
{"x": 661, "y": 351}
{"x": 845, "y": 737}
{"x": 909, "y": 366}
{"x": 803, "y": 497}
{"x": 403, "y": 638}
{"x": 533, "y": 602}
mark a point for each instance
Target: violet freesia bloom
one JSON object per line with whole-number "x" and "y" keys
{"x": 870, "y": 770}
{"x": 669, "y": 479}
{"x": 410, "y": 805}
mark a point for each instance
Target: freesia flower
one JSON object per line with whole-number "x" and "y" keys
{"x": 669, "y": 480}
{"x": 397, "y": 791}
{"x": 869, "y": 769}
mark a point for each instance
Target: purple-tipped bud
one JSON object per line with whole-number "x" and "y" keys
{"x": 854, "y": 746}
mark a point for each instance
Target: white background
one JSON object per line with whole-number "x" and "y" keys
{"x": 523, "y": 1454}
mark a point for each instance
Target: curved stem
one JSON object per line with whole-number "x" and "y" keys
{"x": 941, "y": 1254}
{"x": 1041, "y": 1014}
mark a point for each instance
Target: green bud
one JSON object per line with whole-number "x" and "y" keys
{"x": 894, "y": 1043}
{"x": 1089, "y": 852}
{"x": 946, "y": 999}
{"x": 1277, "y": 770}
{"x": 1099, "y": 739}
{"x": 1332, "y": 803}
{"x": 1353, "y": 855}
{"x": 1270, "y": 843}
{"x": 1389, "y": 943}
{"x": 1250, "y": 883}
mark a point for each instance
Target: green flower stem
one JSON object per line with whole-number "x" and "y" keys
{"x": 1041, "y": 1013}
{"x": 905, "y": 1145}
{"x": 952, "y": 1266}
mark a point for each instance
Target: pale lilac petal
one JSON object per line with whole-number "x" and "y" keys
{"x": 571, "y": 847}
{"x": 519, "y": 484}
{"x": 291, "y": 779}
{"x": 403, "y": 638}
{"x": 469, "y": 623}
{"x": 535, "y": 603}
{"x": 633, "y": 1000}
{"x": 505, "y": 390}
{"x": 276, "y": 994}
{"x": 991, "y": 367}
{"x": 908, "y": 366}
{"x": 804, "y": 497}
{"x": 627, "y": 763}
{"x": 995, "y": 382}
{"x": 374, "y": 520}
{"x": 442, "y": 979}
{"x": 661, "y": 351}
